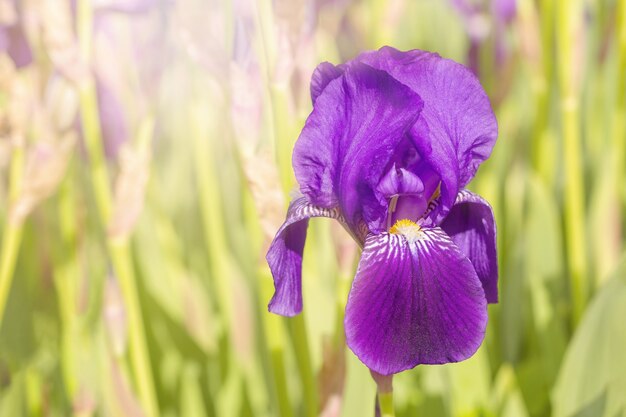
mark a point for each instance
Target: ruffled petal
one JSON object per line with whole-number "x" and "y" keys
{"x": 284, "y": 256}
{"x": 356, "y": 124}
{"x": 323, "y": 74}
{"x": 472, "y": 227}
{"x": 462, "y": 128}
{"x": 416, "y": 299}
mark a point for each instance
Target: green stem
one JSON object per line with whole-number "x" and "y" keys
{"x": 542, "y": 74}
{"x": 122, "y": 264}
{"x": 569, "y": 15}
{"x": 303, "y": 357}
{"x": 283, "y": 143}
{"x": 280, "y": 380}
{"x": 275, "y": 337}
{"x": 65, "y": 278}
{"x": 10, "y": 247}
{"x": 204, "y": 131}
{"x": 619, "y": 124}
{"x": 210, "y": 208}
{"x": 284, "y": 136}
{"x": 93, "y": 141}
{"x": 384, "y": 393}
{"x": 385, "y": 402}
{"x": 12, "y": 234}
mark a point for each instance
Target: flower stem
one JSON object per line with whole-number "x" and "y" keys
{"x": 10, "y": 246}
{"x": 618, "y": 134}
{"x": 569, "y": 23}
{"x": 385, "y": 402}
{"x": 303, "y": 357}
{"x": 65, "y": 275}
{"x": 12, "y": 234}
{"x": 384, "y": 384}
{"x": 275, "y": 336}
{"x": 122, "y": 264}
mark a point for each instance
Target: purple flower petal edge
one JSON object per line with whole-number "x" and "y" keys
{"x": 284, "y": 256}
{"x": 322, "y": 75}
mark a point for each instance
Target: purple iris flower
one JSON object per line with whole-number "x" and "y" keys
{"x": 392, "y": 140}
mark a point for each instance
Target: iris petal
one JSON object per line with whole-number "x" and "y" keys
{"x": 462, "y": 128}
{"x": 400, "y": 181}
{"x": 416, "y": 299}
{"x": 356, "y": 124}
{"x": 284, "y": 256}
{"x": 472, "y": 227}
{"x": 323, "y": 74}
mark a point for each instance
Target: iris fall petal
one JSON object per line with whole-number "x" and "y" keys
{"x": 415, "y": 300}
{"x": 471, "y": 225}
{"x": 285, "y": 255}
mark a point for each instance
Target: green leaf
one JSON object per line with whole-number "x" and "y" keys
{"x": 13, "y": 398}
{"x": 592, "y": 380}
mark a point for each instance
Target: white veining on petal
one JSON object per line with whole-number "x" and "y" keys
{"x": 302, "y": 209}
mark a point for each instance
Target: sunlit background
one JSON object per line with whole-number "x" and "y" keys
{"x": 145, "y": 164}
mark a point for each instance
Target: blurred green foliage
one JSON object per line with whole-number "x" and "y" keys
{"x": 133, "y": 281}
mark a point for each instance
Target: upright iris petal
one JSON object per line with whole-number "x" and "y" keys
{"x": 461, "y": 125}
{"x": 392, "y": 139}
{"x": 355, "y": 127}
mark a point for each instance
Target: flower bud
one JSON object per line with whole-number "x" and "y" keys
{"x": 60, "y": 42}
{"x": 130, "y": 189}
{"x": 114, "y": 315}
{"x": 45, "y": 166}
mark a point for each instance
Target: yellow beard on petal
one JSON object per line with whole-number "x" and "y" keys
{"x": 407, "y": 228}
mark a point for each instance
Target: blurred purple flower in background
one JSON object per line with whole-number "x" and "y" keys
{"x": 392, "y": 140}
{"x": 475, "y": 15}
{"x": 115, "y": 23}
{"x": 13, "y": 40}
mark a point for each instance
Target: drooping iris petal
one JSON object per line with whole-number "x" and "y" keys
{"x": 415, "y": 300}
{"x": 284, "y": 256}
{"x": 356, "y": 124}
{"x": 322, "y": 75}
{"x": 472, "y": 227}
{"x": 462, "y": 128}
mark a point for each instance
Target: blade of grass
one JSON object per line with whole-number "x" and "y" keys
{"x": 12, "y": 234}
{"x": 569, "y": 24}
